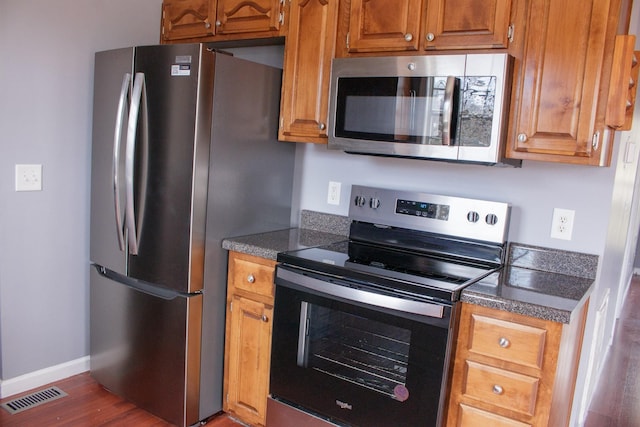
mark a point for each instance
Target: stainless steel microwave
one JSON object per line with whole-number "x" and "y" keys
{"x": 443, "y": 107}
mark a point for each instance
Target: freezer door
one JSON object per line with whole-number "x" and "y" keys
{"x": 146, "y": 348}
{"x": 112, "y": 79}
{"x": 166, "y": 221}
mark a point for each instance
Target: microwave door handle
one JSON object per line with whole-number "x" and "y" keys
{"x": 447, "y": 110}
{"x": 412, "y": 113}
{"x": 117, "y": 140}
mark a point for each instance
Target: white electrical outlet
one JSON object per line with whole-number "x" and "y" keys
{"x": 28, "y": 177}
{"x": 333, "y": 196}
{"x": 562, "y": 223}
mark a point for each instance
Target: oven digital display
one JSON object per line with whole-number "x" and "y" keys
{"x": 422, "y": 209}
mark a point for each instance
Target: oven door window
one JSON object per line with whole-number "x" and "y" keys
{"x": 413, "y": 110}
{"x": 364, "y": 352}
{"x": 357, "y": 364}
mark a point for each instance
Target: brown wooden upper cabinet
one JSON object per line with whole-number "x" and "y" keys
{"x": 561, "y": 83}
{"x": 212, "y": 20}
{"x": 186, "y": 19}
{"x": 467, "y": 24}
{"x": 308, "y": 51}
{"x": 413, "y": 25}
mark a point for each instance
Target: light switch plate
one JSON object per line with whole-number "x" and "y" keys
{"x": 28, "y": 177}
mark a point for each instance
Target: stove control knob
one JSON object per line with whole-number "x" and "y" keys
{"x": 360, "y": 201}
{"x": 374, "y": 203}
{"x": 473, "y": 216}
{"x": 491, "y": 219}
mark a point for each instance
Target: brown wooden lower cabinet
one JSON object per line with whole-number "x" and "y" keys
{"x": 512, "y": 370}
{"x": 250, "y": 293}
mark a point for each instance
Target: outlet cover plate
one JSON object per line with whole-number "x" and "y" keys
{"x": 333, "y": 194}
{"x": 562, "y": 223}
{"x": 28, "y": 177}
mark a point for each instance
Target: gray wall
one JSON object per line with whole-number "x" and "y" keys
{"x": 46, "y": 78}
{"x": 533, "y": 190}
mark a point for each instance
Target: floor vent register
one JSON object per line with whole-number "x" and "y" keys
{"x": 34, "y": 399}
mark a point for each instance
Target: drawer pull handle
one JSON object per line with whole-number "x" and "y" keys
{"x": 497, "y": 389}
{"x": 504, "y": 343}
{"x": 265, "y": 318}
{"x": 251, "y": 278}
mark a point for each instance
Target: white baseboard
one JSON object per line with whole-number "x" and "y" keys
{"x": 42, "y": 377}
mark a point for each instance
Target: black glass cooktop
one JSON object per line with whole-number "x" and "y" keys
{"x": 402, "y": 272}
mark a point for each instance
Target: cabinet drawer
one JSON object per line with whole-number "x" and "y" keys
{"x": 474, "y": 417}
{"x": 509, "y": 341}
{"x": 501, "y": 388}
{"x": 252, "y": 277}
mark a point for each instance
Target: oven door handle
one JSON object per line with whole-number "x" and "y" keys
{"x": 303, "y": 348}
{"x": 422, "y": 308}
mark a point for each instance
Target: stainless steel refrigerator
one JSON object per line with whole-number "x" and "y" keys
{"x": 184, "y": 154}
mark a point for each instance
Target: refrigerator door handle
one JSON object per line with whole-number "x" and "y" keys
{"x": 141, "y": 286}
{"x": 134, "y": 216}
{"x": 117, "y": 138}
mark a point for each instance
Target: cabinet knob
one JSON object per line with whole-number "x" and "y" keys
{"x": 207, "y": 24}
{"x": 497, "y": 389}
{"x": 251, "y": 278}
{"x": 408, "y": 37}
{"x": 430, "y": 37}
{"x": 504, "y": 342}
{"x": 264, "y": 318}
{"x": 522, "y": 137}
{"x": 322, "y": 126}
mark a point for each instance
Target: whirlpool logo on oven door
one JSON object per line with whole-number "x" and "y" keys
{"x": 343, "y": 405}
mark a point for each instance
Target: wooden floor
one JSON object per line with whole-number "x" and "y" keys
{"x": 89, "y": 405}
{"x": 615, "y": 404}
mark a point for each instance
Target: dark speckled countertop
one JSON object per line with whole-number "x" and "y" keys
{"x": 538, "y": 282}
{"x": 316, "y": 229}
{"x": 545, "y": 283}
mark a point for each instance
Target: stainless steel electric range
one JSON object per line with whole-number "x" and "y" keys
{"x": 363, "y": 328}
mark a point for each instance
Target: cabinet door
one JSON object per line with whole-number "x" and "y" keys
{"x": 185, "y": 19}
{"x": 248, "y": 353}
{"x": 467, "y": 24}
{"x": 384, "y": 25}
{"x": 557, "y": 83}
{"x": 242, "y": 16}
{"x": 309, "y": 49}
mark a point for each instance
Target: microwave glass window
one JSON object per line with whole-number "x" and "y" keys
{"x": 476, "y": 111}
{"x": 398, "y": 109}
{"x": 356, "y": 349}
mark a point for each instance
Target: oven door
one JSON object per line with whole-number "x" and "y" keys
{"x": 353, "y": 362}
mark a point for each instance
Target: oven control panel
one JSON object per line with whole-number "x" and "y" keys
{"x": 448, "y": 215}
